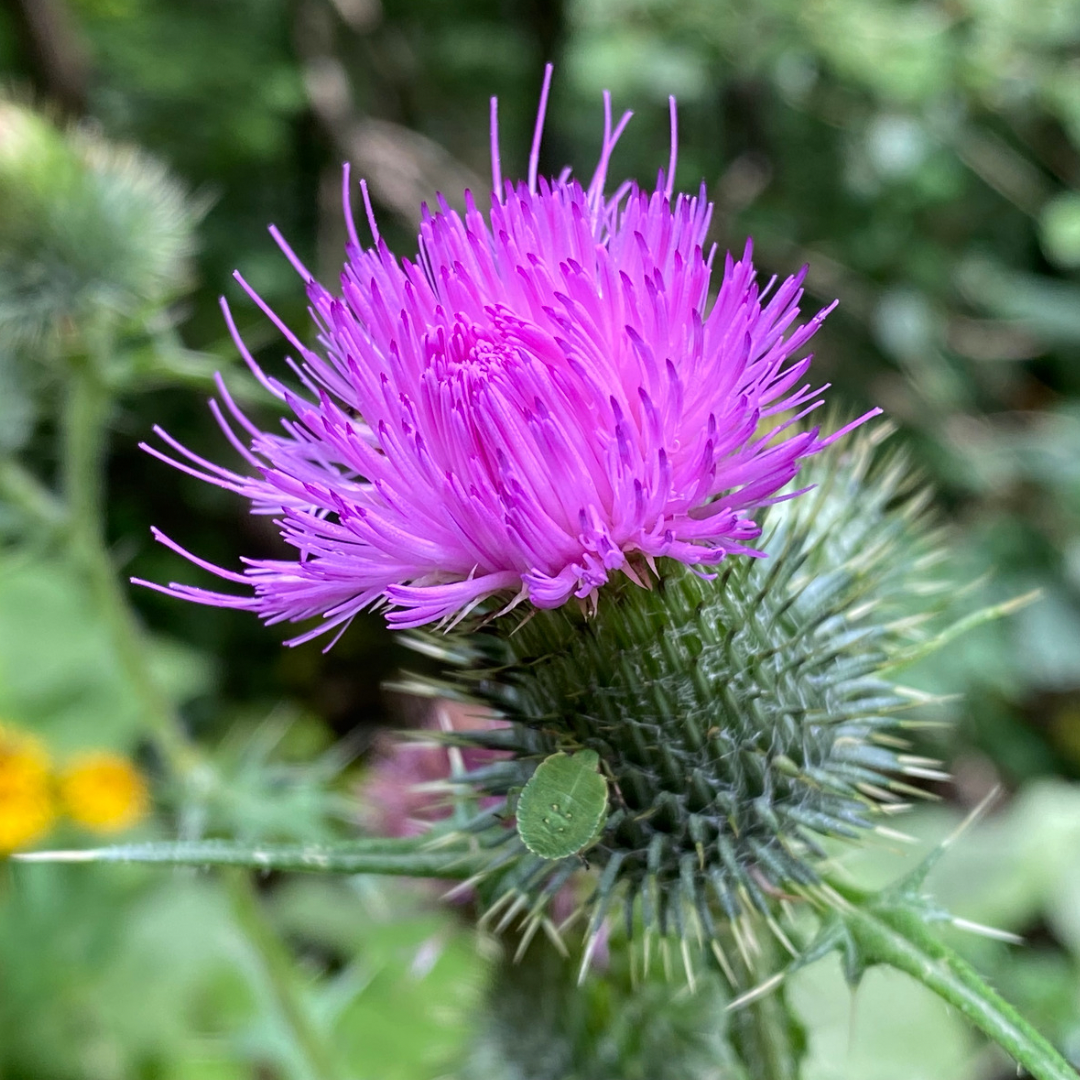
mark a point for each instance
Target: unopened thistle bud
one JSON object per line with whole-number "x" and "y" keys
{"x": 86, "y": 226}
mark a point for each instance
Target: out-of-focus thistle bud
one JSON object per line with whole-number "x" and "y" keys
{"x": 540, "y": 1024}
{"x": 36, "y": 163}
{"x": 86, "y": 227}
{"x": 739, "y": 718}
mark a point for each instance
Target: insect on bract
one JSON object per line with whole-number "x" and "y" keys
{"x": 563, "y": 807}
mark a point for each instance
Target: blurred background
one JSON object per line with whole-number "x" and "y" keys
{"x": 923, "y": 156}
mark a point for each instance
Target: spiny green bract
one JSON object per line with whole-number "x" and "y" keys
{"x": 740, "y": 719}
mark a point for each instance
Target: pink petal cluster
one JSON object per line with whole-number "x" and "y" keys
{"x": 400, "y": 795}
{"x": 546, "y": 396}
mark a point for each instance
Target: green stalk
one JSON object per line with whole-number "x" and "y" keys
{"x": 763, "y": 1033}
{"x": 83, "y": 455}
{"x": 86, "y": 408}
{"x": 885, "y": 930}
{"x": 278, "y": 975}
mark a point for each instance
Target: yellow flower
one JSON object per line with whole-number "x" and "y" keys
{"x": 103, "y": 792}
{"x": 27, "y": 808}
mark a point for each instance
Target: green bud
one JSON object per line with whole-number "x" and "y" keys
{"x": 37, "y": 167}
{"x": 85, "y": 227}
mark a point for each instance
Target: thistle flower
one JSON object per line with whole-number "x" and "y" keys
{"x": 545, "y": 398}
{"x": 400, "y": 796}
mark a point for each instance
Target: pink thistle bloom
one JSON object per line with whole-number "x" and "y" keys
{"x": 397, "y": 797}
{"x": 546, "y": 396}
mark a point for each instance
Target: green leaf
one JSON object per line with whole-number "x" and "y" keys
{"x": 866, "y": 1033}
{"x": 58, "y": 672}
{"x": 896, "y": 928}
{"x": 410, "y": 987}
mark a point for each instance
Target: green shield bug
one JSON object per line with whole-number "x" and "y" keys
{"x": 563, "y": 807}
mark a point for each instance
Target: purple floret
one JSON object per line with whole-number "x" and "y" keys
{"x": 545, "y": 397}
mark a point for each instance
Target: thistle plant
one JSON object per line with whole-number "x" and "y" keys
{"x": 594, "y": 491}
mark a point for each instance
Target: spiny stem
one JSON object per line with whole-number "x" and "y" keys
{"x": 278, "y": 975}
{"x": 398, "y": 857}
{"x": 898, "y": 936}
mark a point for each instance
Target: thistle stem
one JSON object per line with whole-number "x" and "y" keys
{"x": 86, "y": 408}
{"x": 763, "y": 1032}
{"x": 897, "y": 936}
{"x": 761, "y": 1035}
{"x": 278, "y": 975}
{"x": 397, "y": 857}
{"x": 83, "y": 456}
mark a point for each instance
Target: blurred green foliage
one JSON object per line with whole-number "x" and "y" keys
{"x": 923, "y": 157}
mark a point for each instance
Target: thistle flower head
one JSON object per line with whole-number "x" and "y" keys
{"x": 400, "y": 796}
{"x": 546, "y": 398}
